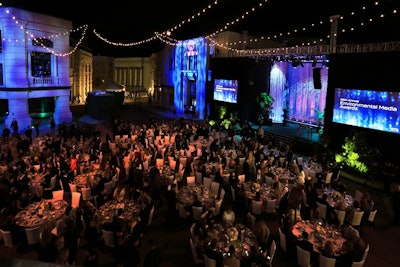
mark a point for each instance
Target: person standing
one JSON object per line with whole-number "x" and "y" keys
{"x": 36, "y": 125}
{"x": 52, "y": 124}
{"x": 14, "y": 126}
{"x": 6, "y": 133}
{"x": 396, "y": 205}
{"x": 153, "y": 256}
{"x": 28, "y": 134}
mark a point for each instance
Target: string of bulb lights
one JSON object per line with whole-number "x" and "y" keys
{"x": 165, "y": 36}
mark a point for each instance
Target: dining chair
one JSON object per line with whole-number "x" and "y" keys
{"x": 371, "y": 218}
{"x": 356, "y": 220}
{"x": 270, "y": 206}
{"x": 207, "y": 182}
{"x": 33, "y": 235}
{"x": 183, "y": 161}
{"x": 75, "y": 199}
{"x": 58, "y": 228}
{"x": 217, "y": 208}
{"x": 242, "y": 178}
{"x": 282, "y": 239}
{"x": 222, "y": 194}
{"x": 7, "y": 238}
{"x": 196, "y": 213}
{"x": 190, "y": 180}
{"x": 256, "y": 207}
{"x": 271, "y": 253}
{"x": 358, "y": 195}
{"x": 322, "y": 210}
{"x": 72, "y": 187}
{"x": 108, "y": 237}
{"x": 364, "y": 258}
{"x": 86, "y": 193}
{"x": 199, "y": 177}
{"x": 341, "y": 214}
{"x": 108, "y": 187}
{"x": 303, "y": 257}
{"x": 299, "y": 160}
{"x": 195, "y": 255}
{"x": 151, "y": 216}
{"x": 268, "y": 180}
{"x": 328, "y": 178}
{"x": 159, "y": 163}
{"x": 208, "y": 262}
{"x": 214, "y": 188}
{"x": 182, "y": 212}
{"x": 326, "y": 261}
{"x": 58, "y": 195}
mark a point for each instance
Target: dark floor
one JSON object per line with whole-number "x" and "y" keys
{"x": 384, "y": 239}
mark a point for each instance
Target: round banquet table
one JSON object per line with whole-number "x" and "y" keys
{"x": 266, "y": 192}
{"x": 335, "y": 196}
{"x": 318, "y": 234}
{"x": 186, "y": 195}
{"x": 109, "y": 209}
{"x": 238, "y": 235}
{"x": 43, "y": 213}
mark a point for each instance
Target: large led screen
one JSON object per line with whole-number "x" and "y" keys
{"x": 378, "y": 110}
{"x": 225, "y": 90}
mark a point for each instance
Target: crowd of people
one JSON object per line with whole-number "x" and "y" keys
{"x": 129, "y": 157}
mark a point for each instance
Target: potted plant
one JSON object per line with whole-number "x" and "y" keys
{"x": 265, "y": 102}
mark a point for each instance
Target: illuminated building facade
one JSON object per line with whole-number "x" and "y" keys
{"x": 34, "y": 65}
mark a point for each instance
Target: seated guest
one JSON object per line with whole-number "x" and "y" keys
{"x": 231, "y": 260}
{"x": 228, "y": 215}
{"x": 329, "y": 250}
{"x": 332, "y": 218}
{"x": 261, "y": 231}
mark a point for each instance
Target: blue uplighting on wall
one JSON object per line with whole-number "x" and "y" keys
{"x": 190, "y": 64}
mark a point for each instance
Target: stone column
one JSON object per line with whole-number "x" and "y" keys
{"x": 62, "y": 111}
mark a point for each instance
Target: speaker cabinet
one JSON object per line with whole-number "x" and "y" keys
{"x": 317, "y": 78}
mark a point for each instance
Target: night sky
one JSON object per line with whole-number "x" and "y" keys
{"x": 131, "y": 21}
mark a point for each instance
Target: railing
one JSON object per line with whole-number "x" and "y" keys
{"x": 311, "y": 50}
{"x": 44, "y": 81}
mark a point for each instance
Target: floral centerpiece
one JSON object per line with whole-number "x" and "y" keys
{"x": 320, "y": 230}
{"x": 233, "y": 234}
{"x": 337, "y": 195}
{"x": 256, "y": 187}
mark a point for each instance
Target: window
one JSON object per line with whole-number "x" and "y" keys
{"x": 41, "y": 64}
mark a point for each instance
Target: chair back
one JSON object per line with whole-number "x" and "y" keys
{"x": 72, "y": 187}
{"x": 58, "y": 195}
{"x": 303, "y": 257}
{"x": 326, "y": 262}
{"x": 270, "y": 206}
{"x": 53, "y": 182}
{"x": 256, "y": 207}
{"x": 217, "y": 208}
{"x": 207, "y": 181}
{"x": 190, "y": 180}
{"x": 328, "y": 178}
{"x": 341, "y": 214}
{"x": 358, "y": 195}
{"x": 196, "y": 258}
{"x": 371, "y": 217}
{"x": 271, "y": 252}
{"x": 222, "y": 194}
{"x": 86, "y": 193}
{"x": 7, "y": 238}
{"x": 75, "y": 199}
{"x": 33, "y": 235}
{"x": 215, "y": 188}
{"x": 196, "y": 213}
{"x": 109, "y": 187}
{"x": 357, "y": 217}
{"x": 151, "y": 216}
{"x": 208, "y": 262}
{"x": 183, "y": 214}
{"x": 242, "y": 178}
{"x": 199, "y": 177}
{"x": 268, "y": 180}
{"x": 322, "y": 210}
{"x": 282, "y": 239}
{"x": 108, "y": 237}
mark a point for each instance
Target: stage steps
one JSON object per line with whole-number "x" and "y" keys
{"x": 277, "y": 138}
